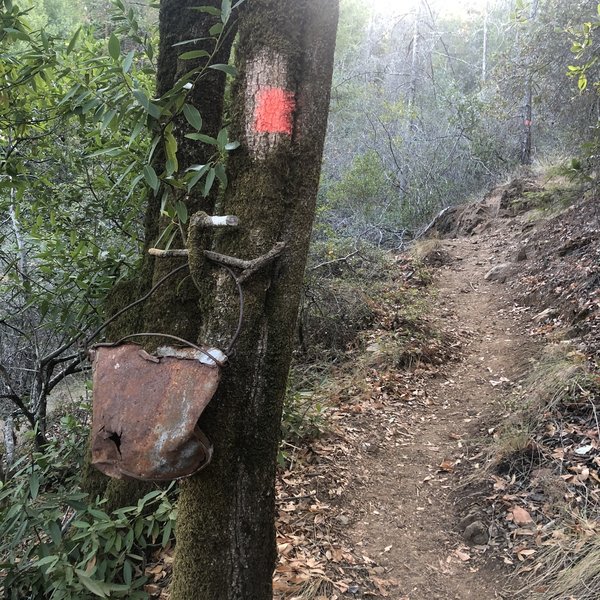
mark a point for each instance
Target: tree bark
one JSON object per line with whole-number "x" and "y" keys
{"x": 226, "y": 534}
{"x": 175, "y": 307}
{"x": 527, "y": 117}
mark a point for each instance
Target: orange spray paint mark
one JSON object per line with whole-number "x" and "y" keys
{"x": 273, "y": 112}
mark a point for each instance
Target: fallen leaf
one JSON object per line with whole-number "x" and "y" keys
{"x": 462, "y": 555}
{"x": 519, "y": 516}
{"x": 447, "y": 465}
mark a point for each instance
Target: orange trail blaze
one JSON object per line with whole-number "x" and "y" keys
{"x": 273, "y": 112}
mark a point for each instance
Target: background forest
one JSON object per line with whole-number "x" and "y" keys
{"x": 431, "y": 105}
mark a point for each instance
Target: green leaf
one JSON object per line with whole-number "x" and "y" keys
{"x": 221, "y": 175}
{"x": 197, "y": 176}
{"x": 47, "y": 560}
{"x": 73, "y": 41}
{"x": 222, "y": 138}
{"x": 229, "y": 69}
{"x": 34, "y": 485}
{"x": 155, "y": 141}
{"x": 171, "y": 238}
{"x": 210, "y": 179}
{"x": 114, "y": 47}
{"x": 16, "y": 33}
{"x": 166, "y": 534}
{"x": 128, "y": 61}
{"x": 151, "y": 178}
{"x": 232, "y": 146}
{"x": 193, "y": 116}
{"x": 182, "y": 212}
{"x": 207, "y": 139}
{"x": 191, "y": 41}
{"x": 115, "y": 587}
{"x": 151, "y": 108}
{"x": 225, "y": 10}
{"x": 196, "y": 168}
{"x": 171, "y": 152}
{"x": 141, "y": 97}
{"x": 139, "y": 126}
{"x": 55, "y": 532}
{"x": 190, "y": 55}
{"x": 93, "y": 586}
{"x": 133, "y": 185}
{"x": 154, "y": 110}
{"x": 106, "y": 151}
{"x": 127, "y": 572}
{"x": 216, "y": 29}
{"x": 107, "y": 118}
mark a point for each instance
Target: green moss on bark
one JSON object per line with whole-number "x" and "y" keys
{"x": 174, "y": 307}
{"x": 225, "y": 535}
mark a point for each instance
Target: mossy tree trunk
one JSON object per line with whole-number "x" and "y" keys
{"x": 226, "y": 534}
{"x": 175, "y": 307}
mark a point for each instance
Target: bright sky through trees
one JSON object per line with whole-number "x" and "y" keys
{"x": 455, "y": 7}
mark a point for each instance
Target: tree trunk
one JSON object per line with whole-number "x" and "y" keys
{"x": 414, "y": 73}
{"x": 526, "y": 136}
{"x": 226, "y": 534}
{"x": 484, "y": 49}
{"x": 527, "y": 117}
{"x": 175, "y": 307}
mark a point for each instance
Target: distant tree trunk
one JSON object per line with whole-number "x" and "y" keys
{"x": 526, "y": 139}
{"x": 225, "y": 533}
{"x": 486, "y": 15}
{"x": 527, "y": 116}
{"x": 414, "y": 73}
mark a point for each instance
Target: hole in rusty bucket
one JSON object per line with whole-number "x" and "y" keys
{"x": 146, "y": 410}
{"x": 116, "y": 438}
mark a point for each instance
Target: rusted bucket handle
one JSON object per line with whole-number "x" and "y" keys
{"x": 230, "y": 346}
{"x": 169, "y": 336}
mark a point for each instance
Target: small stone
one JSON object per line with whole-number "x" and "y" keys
{"x": 470, "y": 517}
{"x": 476, "y": 533}
{"x": 521, "y": 255}
{"x": 549, "y": 313}
{"x": 498, "y": 273}
{"x": 342, "y": 520}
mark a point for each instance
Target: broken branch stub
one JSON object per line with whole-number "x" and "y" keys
{"x": 146, "y": 410}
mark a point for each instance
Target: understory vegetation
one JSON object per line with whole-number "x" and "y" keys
{"x": 546, "y": 456}
{"x": 430, "y": 108}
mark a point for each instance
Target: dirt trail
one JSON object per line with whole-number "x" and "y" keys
{"x": 406, "y": 505}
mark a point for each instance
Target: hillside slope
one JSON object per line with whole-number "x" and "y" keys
{"x": 461, "y": 456}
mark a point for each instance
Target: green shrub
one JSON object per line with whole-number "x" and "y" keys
{"x": 57, "y": 544}
{"x": 303, "y": 416}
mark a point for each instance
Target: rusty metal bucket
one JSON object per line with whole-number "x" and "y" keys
{"x": 146, "y": 410}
